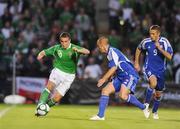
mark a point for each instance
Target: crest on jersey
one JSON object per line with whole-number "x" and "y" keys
{"x": 59, "y": 52}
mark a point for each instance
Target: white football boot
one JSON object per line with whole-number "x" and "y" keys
{"x": 96, "y": 117}
{"x": 146, "y": 111}
{"x": 155, "y": 116}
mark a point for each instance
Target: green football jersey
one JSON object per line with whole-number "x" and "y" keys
{"x": 64, "y": 59}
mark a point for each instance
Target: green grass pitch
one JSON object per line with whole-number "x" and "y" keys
{"x": 77, "y": 117}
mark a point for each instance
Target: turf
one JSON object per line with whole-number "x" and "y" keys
{"x": 76, "y": 117}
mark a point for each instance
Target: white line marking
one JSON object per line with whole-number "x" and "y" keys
{"x": 3, "y": 112}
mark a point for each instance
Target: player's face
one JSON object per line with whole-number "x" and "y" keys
{"x": 65, "y": 41}
{"x": 154, "y": 35}
{"x": 102, "y": 48}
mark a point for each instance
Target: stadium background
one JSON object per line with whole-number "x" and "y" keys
{"x": 27, "y": 27}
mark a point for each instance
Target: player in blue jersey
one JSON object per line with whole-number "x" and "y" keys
{"x": 124, "y": 80}
{"x": 157, "y": 49}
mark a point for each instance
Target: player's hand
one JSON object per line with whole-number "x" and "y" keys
{"x": 157, "y": 44}
{"x": 137, "y": 67}
{"x": 40, "y": 56}
{"x": 101, "y": 82}
{"x": 75, "y": 49}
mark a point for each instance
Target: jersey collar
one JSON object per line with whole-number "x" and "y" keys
{"x": 108, "y": 49}
{"x": 69, "y": 46}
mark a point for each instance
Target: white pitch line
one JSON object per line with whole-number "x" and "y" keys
{"x": 3, "y": 112}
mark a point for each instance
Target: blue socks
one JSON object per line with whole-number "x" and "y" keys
{"x": 102, "y": 105}
{"x": 149, "y": 93}
{"x": 133, "y": 100}
{"x": 155, "y": 105}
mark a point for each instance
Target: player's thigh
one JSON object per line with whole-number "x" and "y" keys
{"x": 124, "y": 92}
{"x": 55, "y": 76}
{"x": 108, "y": 89}
{"x": 153, "y": 81}
{"x": 65, "y": 85}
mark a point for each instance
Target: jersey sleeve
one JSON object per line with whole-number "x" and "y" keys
{"x": 113, "y": 61}
{"x": 78, "y": 47}
{"x": 142, "y": 45}
{"x": 124, "y": 66}
{"x": 167, "y": 46}
{"x": 50, "y": 51}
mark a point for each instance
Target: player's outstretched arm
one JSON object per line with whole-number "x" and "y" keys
{"x": 82, "y": 51}
{"x": 137, "y": 58}
{"x": 41, "y": 55}
{"x": 106, "y": 76}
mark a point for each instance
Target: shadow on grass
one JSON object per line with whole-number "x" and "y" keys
{"x": 172, "y": 120}
{"x": 129, "y": 119}
{"x": 67, "y": 118}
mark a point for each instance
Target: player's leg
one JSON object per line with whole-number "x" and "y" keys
{"x": 52, "y": 82}
{"x": 61, "y": 89}
{"x": 55, "y": 99}
{"x": 126, "y": 96}
{"x": 157, "y": 99}
{"x": 105, "y": 98}
{"x": 152, "y": 84}
{"x": 128, "y": 85}
{"x": 45, "y": 93}
{"x": 106, "y": 91}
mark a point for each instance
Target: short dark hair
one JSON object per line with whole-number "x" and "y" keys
{"x": 64, "y": 35}
{"x": 155, "y": 27}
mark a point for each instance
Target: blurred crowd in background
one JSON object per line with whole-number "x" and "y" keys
{"x": 27, "y": 27}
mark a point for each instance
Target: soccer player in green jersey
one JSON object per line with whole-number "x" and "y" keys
{"x": 66, "y": 56}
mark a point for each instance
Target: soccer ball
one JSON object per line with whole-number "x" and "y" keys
{"x": 43, "y": 109}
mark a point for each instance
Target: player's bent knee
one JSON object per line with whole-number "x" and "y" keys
{"x": 123, "y": 96}
{"x": 50, "y": 86}
{"x": 153, "y": 84}
{"x": 158, "y": 96}
{"x": 105, "y": 92}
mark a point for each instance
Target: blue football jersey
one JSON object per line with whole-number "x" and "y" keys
{"x": 154, "y": 59}
{"x": 118, "y": 59}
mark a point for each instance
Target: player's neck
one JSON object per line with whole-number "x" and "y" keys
{"x": 68, "y": 46}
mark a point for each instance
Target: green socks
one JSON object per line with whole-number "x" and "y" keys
{"x": 44, "y": 96}
{"x": 51, "y": 102}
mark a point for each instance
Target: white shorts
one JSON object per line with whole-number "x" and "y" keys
{"x": 62, "y": 80}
